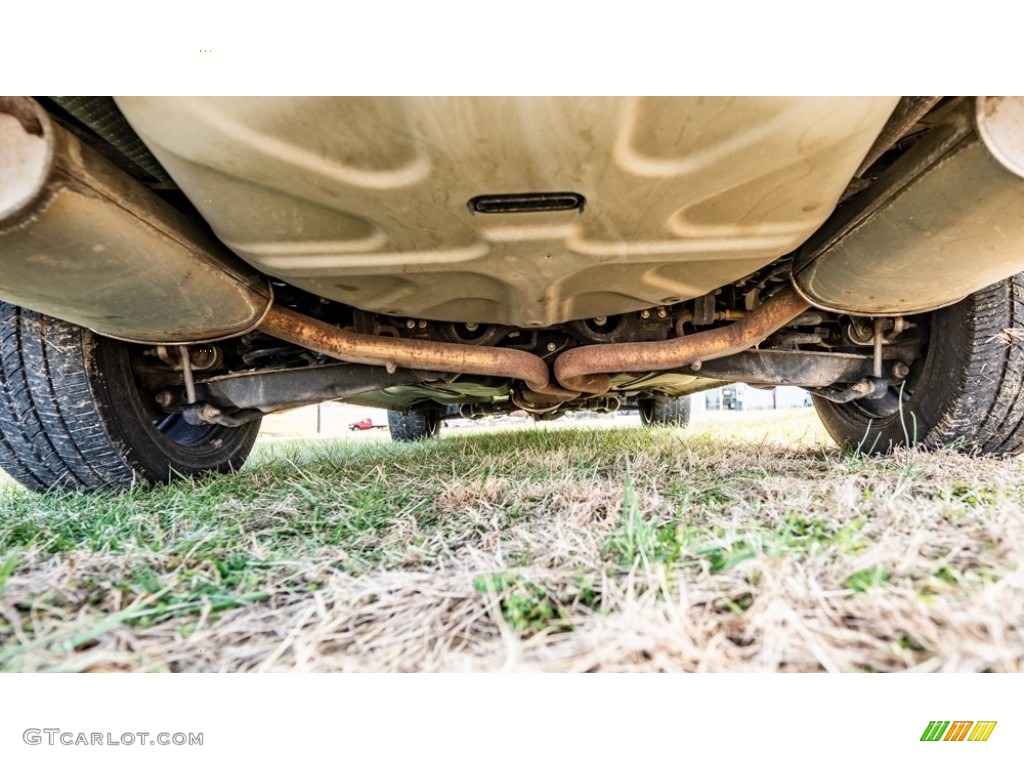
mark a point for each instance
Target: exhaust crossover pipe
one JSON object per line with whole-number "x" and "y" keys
{"x": 579, "y": 371}
{"x": 435, "y": 356}
{"x": 586, "y": 369}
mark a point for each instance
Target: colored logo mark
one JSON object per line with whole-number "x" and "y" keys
{"x": 959, "y": 730}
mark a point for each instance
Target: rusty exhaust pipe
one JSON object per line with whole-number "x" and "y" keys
{"x": 392, "y": 352}
{"x": 586, "y": 369}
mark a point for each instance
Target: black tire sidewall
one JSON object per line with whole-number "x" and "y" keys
{"x": 415, "y": 425}
{"x": 664, "y": 411}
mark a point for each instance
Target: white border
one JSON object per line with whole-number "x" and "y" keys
{"x": 563, "y": 720}
{"x": 535, "y": 47}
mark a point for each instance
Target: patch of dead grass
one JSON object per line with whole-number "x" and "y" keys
{"x": 615, "y": 552}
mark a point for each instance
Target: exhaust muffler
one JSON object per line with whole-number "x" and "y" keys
{"x": 83, "y": 241}
{"x": 943, "y": 222}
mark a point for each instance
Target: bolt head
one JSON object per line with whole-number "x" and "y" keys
{"x": 900, "y": 370}
{"x": 645, "y": 313}
{"x": 410, "y": 324}
{"x": 552, "y": 346}
{"x": 209, "y": 412}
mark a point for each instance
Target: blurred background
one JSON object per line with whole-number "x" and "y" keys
{"x": 337, "y": 419}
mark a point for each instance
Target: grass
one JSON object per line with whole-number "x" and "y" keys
{"x": 714, "y": 548}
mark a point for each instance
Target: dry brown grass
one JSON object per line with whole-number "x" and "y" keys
{"x": 612, "y": 550}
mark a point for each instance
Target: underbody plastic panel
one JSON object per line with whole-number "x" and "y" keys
{"x": 367, "y": 200}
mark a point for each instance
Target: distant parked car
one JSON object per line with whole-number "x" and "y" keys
{"x": 365, "y": 424}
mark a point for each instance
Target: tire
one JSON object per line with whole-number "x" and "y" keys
{"x": 73, "y": 417}
{"x": 664, "y": 411}
{"x": 414, "y": 425}
{"x": 965, "y": 392}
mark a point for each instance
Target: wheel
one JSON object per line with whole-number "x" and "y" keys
{"x": 664, "y": 411}
{"x": 414, "y": 425}
{"x": 72, "y": 415}
{"x": 966, "y": 391}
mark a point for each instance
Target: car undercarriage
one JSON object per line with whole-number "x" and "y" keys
{"x": 185, "y": 266}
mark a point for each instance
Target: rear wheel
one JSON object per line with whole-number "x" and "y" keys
{"x": 414, "y": 425}
{"x": 73, "y": 416}
{"x": 966, "y": 391}
{"x": 664, "y": 411}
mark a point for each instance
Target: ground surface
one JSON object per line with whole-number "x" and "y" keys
{"x": 596, "y": 548}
